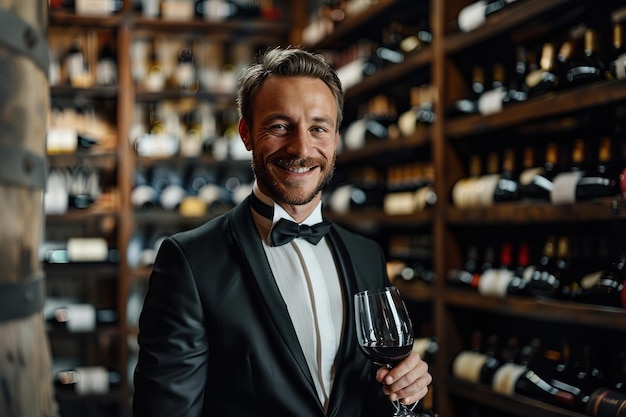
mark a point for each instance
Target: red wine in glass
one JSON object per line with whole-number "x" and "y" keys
{"x": 385, "y": 355}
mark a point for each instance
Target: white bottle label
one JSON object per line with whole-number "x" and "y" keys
{"x": 92, "y": 380}
{"x": 472, "y": 16}
{"x": 490, "y": 102}
{"x": 620, "y": 66}
{"x": 82, "y": 318}
{"x": 564, "y": 190}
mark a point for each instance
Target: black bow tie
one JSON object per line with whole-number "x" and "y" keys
{"x": 284, "y": 231}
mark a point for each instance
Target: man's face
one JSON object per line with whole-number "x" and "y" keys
{"x": 293, "y": 138}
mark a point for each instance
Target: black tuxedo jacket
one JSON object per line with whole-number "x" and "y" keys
{"x": 216, "y": 338}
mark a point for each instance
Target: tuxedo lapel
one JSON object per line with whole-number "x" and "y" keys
{"x": 253, "y": 256}
{"x": 345, "y": 355}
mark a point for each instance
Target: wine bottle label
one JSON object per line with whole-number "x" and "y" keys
{"x": 98, "y": 7}
{"x": 80, "y": 318}
{"x": 527, "y": 176}
{"x": 472, "y": 16}
{"x": 467, "y": 366}
{"x": 61, "y": 140}
{"x": 171, "y": 196}
{"x": 491, "y": 102}
{"x": 506, "y": 376}
{"x": 352, "y": 73}
{"x": 92, "y": 380}
{"x": 217, "y": 10}
{"x": 399, "y": 203}
{"x": 407, "y": 122}
{"x": 488, "y": 282}
{"x": 607, "y": 403}
{"x": 87, "y": 249}
{"x": 564, "y": 190}
{"x": 495, "y": 282}
{"x": 486, "y": 189}
{"x": 185, "y": 75}
{"x": 620, "y": 67}
{"x": 423, "y": 198}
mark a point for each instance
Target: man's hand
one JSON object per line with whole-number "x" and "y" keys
{"x": 408, "y": 381}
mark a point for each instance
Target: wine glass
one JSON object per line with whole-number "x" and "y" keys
{"x": 384, "y": 332}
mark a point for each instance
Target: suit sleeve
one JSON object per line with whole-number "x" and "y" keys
{"x": 170, "y": 376}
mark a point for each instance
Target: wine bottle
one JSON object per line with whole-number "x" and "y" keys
{"x": 543, "y": 282}
{"x": 76, "y": 65}
{"x": 421, "y": 114}
{"x": 416, "y": 37}
{"x": 617, "y": 379}
{"x": 603, "y": 181}
{"x": 492, "y": 361}
{"x": 464, "y": 194}
{"x": 492, "y": 100}
{"x": 536, "y": 181}
{"x": 518, "y": 285}
{"x": 496, "y": 280}
{"x": 364, "y": 188}
{"x": 617, "y": 60}
{"x": 582, "y": 64}
{"x": 81, "y": 318}
{"x": 409, "y": 188}
{"x": 106, "y": 70}
{"x": 185, "y": 76}
{"x": 517, "y": 90}
{"x": 87, "y": 380}
{"x": 579, "y": 184}
{"x": 544, "y": 78}
{"x": 155, "y": 78}
{"x": 605, "y": 287}
{"x": 469, "y": 105}
{"x": 476, "y": 14}
{"x": 143, "y": 196}
{"x": 508, "y": 187}
{"x": 605, "y": 402}
{"x": 467, "y": 364}
{"x": 522, "y": 378}
{"x": 572, "y": 369}
{"x": 381, "y": 118}
{"x": 469, "y": 275}
{"x": 488, "y": 183}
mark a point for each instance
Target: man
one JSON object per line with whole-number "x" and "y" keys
{"x": 241, "y": 321}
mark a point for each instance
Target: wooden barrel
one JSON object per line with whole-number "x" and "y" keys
{"x": 26, "y": 387}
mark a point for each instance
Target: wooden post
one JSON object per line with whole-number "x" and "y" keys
{"x": 26, "y": 388}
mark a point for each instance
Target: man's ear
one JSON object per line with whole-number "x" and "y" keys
{"x": 244, "y": 133}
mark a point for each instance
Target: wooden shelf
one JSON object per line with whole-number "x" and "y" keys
{"x": 93, "y": 93}
{"x": 420, "y": 61}
{"x": 504, "y": 21}
{"x": 69, "y": 19}
{"x": 525, "y": 212}
{"x": 409, "y": 145}
{"x": 516, "y": 404}
{"x": 541, "y": 309}
{"x": 548, "y": 105}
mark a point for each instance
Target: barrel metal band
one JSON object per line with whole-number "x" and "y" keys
{"x": 22, "y": 299}
{"x": 22, "y": 38}
{"x": 19, "y": 166}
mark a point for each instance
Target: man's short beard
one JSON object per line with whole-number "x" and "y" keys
{"x": 271, "y": 186}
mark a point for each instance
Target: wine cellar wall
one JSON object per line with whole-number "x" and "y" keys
{"x": 483, "y": 145}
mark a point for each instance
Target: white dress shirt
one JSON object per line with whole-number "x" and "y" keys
{"x": 307, "y": 278}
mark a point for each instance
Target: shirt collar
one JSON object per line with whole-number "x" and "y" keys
{"x": 265, "y": 224}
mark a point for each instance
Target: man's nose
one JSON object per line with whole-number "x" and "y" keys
{"x": 300, "y": 143}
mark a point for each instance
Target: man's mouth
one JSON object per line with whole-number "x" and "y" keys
{"x": 299, "y": 170}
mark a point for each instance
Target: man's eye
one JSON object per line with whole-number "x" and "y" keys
{"x": 279, "y": 126}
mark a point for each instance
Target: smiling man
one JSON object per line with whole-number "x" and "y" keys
{"x": 251, "y": 314}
